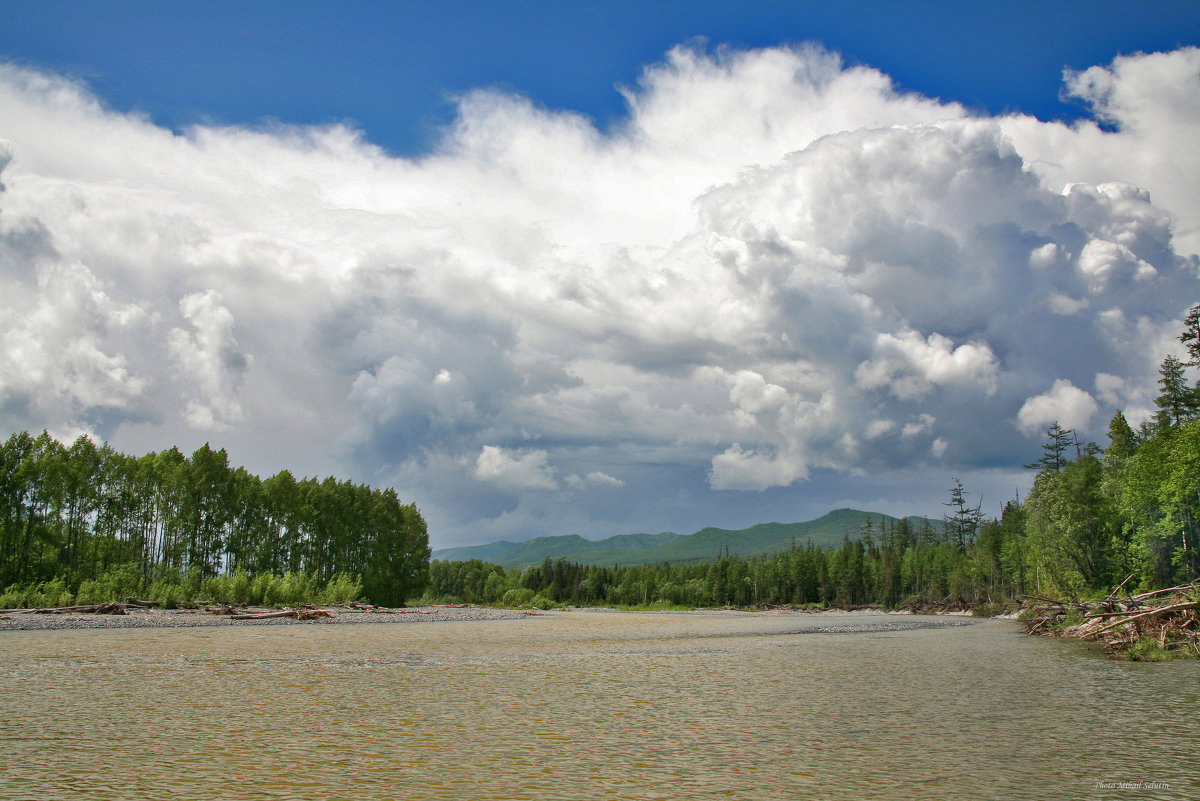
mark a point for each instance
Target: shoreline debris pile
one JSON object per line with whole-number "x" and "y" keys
{"x": 1131, "y": 626}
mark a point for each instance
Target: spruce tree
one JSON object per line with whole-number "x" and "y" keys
{"x": 1177, "y": 403}
{"x": 1053, "y": 449}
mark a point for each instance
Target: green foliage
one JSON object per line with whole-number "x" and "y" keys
{"x": 174, "y": 590}
{"x": 197, "y": 527}
{"x": 43, "y": 595}
{"x": 519, "y": 598}
{"x": 344, "y": 588}
{"x": 544, "y": 602}
{"x": 1072, "y": 528}
{"x": 116, "y": 584}
{"x": 1147, "y": 649}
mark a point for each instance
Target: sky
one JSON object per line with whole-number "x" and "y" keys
{"x": 598, "y": 268}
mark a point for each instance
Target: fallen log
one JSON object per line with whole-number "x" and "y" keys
{"x": 111, "y": 608}
{"x": 142, "y": 604}
{"x": 1161, "y": 610}
{"x": 298, "y": 614}
{"x": 1181, "y": 588}
{"x": 1113, "y": 594}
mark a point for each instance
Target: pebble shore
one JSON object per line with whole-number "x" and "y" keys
{"x": 170, "y": 618}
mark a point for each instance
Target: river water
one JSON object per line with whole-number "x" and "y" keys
{"x": 592, "y": 705}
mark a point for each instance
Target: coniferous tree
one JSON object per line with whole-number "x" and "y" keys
{"x": 1177, "y": 402}
{"x": 1191, "y": 336}
{"x": 1054, "y": 450}
{"x": 962, "y": 522}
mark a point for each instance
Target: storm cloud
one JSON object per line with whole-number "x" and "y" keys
{"x": 777, "y": 284}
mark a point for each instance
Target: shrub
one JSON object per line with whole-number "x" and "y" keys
{"x": 37, "y": 596}
{"x": 343, "y": 588}
{"x": 265, "y": 589}
{"x": 1147, "y": 650}
{"x": 544, "y": 602}
{"x": 518, "y": 598}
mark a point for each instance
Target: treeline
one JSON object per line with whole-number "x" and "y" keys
{"x": 1093, "y": 519}
{"x": 87, "y": 513}
{"x": 888, "y": 564}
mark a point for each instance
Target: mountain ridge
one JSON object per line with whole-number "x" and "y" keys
{"x": 705, "y": 544}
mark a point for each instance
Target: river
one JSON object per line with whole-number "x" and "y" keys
{"x": 592, "y": 705}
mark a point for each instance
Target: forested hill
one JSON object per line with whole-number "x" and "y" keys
{"x": 703, "y": 545}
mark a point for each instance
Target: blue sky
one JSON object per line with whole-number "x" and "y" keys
{"x": 394, "y": 68}
{"x": 598, "y": 268}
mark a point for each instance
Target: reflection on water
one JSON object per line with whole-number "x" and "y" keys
{"x": 584, "y": 705}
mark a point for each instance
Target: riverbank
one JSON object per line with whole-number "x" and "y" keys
{"x": 129, "y": 616}
{"x": 140, "y": 618}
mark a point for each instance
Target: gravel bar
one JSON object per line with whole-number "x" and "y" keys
{"x": 135, "y": 618}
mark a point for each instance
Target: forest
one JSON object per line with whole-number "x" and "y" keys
{"x": 85, "y": 522}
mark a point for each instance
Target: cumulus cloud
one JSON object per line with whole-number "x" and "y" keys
{"x": 527, "y": 470}
{"x": 775, "y": 269}
{"x": 911, "y": 367}
{"x": 740, "y": 469}
{"x": 1065, "y": 404}
{"x": 209, "y": 355}
{"x": 1150, "y": 100}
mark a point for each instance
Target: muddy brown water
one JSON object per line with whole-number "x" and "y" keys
{"x": 592, "y": 705}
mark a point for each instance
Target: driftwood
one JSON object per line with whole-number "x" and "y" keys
{"x": 134, "y": 602}
{"x": 1162, "y": 610}
{"x": 1168, "y": 617}
{"x": 1113, "y": 594}
{"x": 110, "y": 608}
{"x": 298, "y": 614}
{"x": 947, "y": 606}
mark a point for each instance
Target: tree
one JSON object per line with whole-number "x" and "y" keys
{"x": 1160, "y": 496}
{"x": 1177, "y": 402}
{"x": 962, "y": 522}
{"x": 1013, "y": 551}
{"x": 1072, "y": 526}
{"x": 1191, "y": 336}
{"x": 1054, "y": 449}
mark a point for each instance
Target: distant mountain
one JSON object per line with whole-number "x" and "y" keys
{"x": 705, "y": 544}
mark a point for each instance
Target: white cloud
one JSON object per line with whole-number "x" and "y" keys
{"x": 59, "y": 342}
{"x": 1066, "y": 305}
{"x": 1102, "y": 261}
{"x": 1044, "y": 256}
{"x": 209, "y": 355}
{"x": 878, "y": 428}
{"x": 1153, "y": 101}
{"x": 595, "y": 478}
{"x": 515, "y": 470}
{"x": 1065, "y": 404}
{"x": 739, "y": 469}
{"x": 774, "y": 270}
{"x": 911, "y": 366}
{"x": 919, "y": 426}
